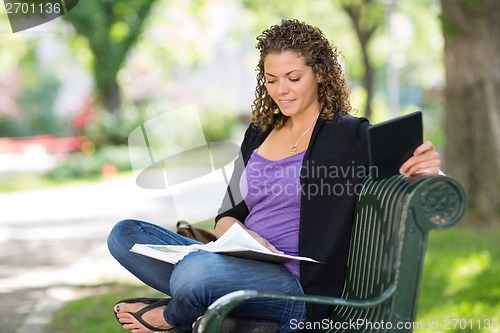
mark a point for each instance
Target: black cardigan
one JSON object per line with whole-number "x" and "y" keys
{"x": 334, "y": 165}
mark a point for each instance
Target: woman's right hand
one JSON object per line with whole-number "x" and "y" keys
{"x": 263, "y": 241}
{"x": 226, "y": 222}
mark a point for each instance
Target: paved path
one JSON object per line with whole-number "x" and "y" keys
{"x": 51, "y": 240}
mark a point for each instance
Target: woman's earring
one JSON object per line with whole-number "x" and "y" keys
{"x": 276, "y": 111}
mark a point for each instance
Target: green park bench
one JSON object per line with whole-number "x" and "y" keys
{"x": 392, "y": 220}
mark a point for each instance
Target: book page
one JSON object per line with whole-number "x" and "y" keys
{"x": 235, "y": 241}
{"x": 236, "y": 236}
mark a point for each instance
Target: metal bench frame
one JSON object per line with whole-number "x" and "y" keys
{"x": 392, "y": 220}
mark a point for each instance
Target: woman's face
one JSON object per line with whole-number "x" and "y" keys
{"x": 291, "y": 83}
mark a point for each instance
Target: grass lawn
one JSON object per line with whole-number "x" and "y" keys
{"x": 460, "y": 289}
{"x": 28, "y": 182}
{"x": 461, "y": 283}
{"x": 24, "y": 182}
{"x": 94, "y": 313}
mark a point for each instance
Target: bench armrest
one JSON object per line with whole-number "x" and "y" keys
{"x": 392, "y": 220}
{"x": 214, "y": 316}
{"x": 439, "y": 201}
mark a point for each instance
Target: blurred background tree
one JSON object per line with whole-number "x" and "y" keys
{"x": 110, "y": 29}
{"x": 146, "y": 57}
{"x": 472, "y": 58}
{"x": 366, "y": 16}
{"x": 143, "y": 58}
{"x": 392, "y": 50}
{"x": 28, "y": 89}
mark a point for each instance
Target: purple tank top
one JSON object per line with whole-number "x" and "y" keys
{"x": 271, "y": 190}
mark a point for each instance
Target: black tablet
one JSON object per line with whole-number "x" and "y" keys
{"x": 392, "y": 142}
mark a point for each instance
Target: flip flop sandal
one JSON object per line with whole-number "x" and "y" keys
{"x": 153, "y": 303}
{"x": 146, "y": 300}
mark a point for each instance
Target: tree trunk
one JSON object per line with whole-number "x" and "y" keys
{"x": 472, "y": 61}
{"x": 94, "y": 20}
{"x": 368, "y": 78}
{"x": 112, "y": 99}
{"x": 106, "y": 69}
{"x": 364, "y": 34}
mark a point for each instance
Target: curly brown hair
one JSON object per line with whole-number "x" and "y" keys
{"x": 310, "y": 43}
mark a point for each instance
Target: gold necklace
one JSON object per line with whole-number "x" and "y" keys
{"x": 293, "y": 148}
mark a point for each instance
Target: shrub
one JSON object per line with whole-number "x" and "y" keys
{"x": 81, "y": 166}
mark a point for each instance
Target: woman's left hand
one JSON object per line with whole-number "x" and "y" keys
{"x": 425, "y": 161}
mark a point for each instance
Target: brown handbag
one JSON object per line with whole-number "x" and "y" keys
{"x": 185, "y": 229}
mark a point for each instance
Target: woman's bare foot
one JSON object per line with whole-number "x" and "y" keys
{"x": 154, "y": 317}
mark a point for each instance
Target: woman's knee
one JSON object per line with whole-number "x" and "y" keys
{"x": 196, "y": 274}
{"x": 117, "y": 238}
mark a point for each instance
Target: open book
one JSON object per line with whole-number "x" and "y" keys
{"x": 235, "y": 242}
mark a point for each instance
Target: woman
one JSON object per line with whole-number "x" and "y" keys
{"x": 301, "y": 127}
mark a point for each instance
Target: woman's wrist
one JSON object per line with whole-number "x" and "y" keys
{"x": 224, "y": 224}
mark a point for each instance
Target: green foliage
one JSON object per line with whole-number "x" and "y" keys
{"x": 37, "y": 100}
{"x": 110, "y": 28}
{"x": 452, "y": 27}
{"x": 473, "y": 5}
{"x": 87, "y": 166}
{"x": 265, "y": 15}
{"x": 460, "y": 280}
{"x": 218, "y": 126}
{"x": 40, "y": 89}
{"x": 24, "y": 182}
{"x": 109, "y": 134}
{"x": 114, "y": 128}
{"x": 367, "y": 15}
{"x": 10, "y": 127}
{"x": 13, "y": 46}
{"x": 94, "y": 313}
{"x": 416, "y": 46}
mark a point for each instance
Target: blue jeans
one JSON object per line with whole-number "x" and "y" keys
{"x": 200, "y": 278}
